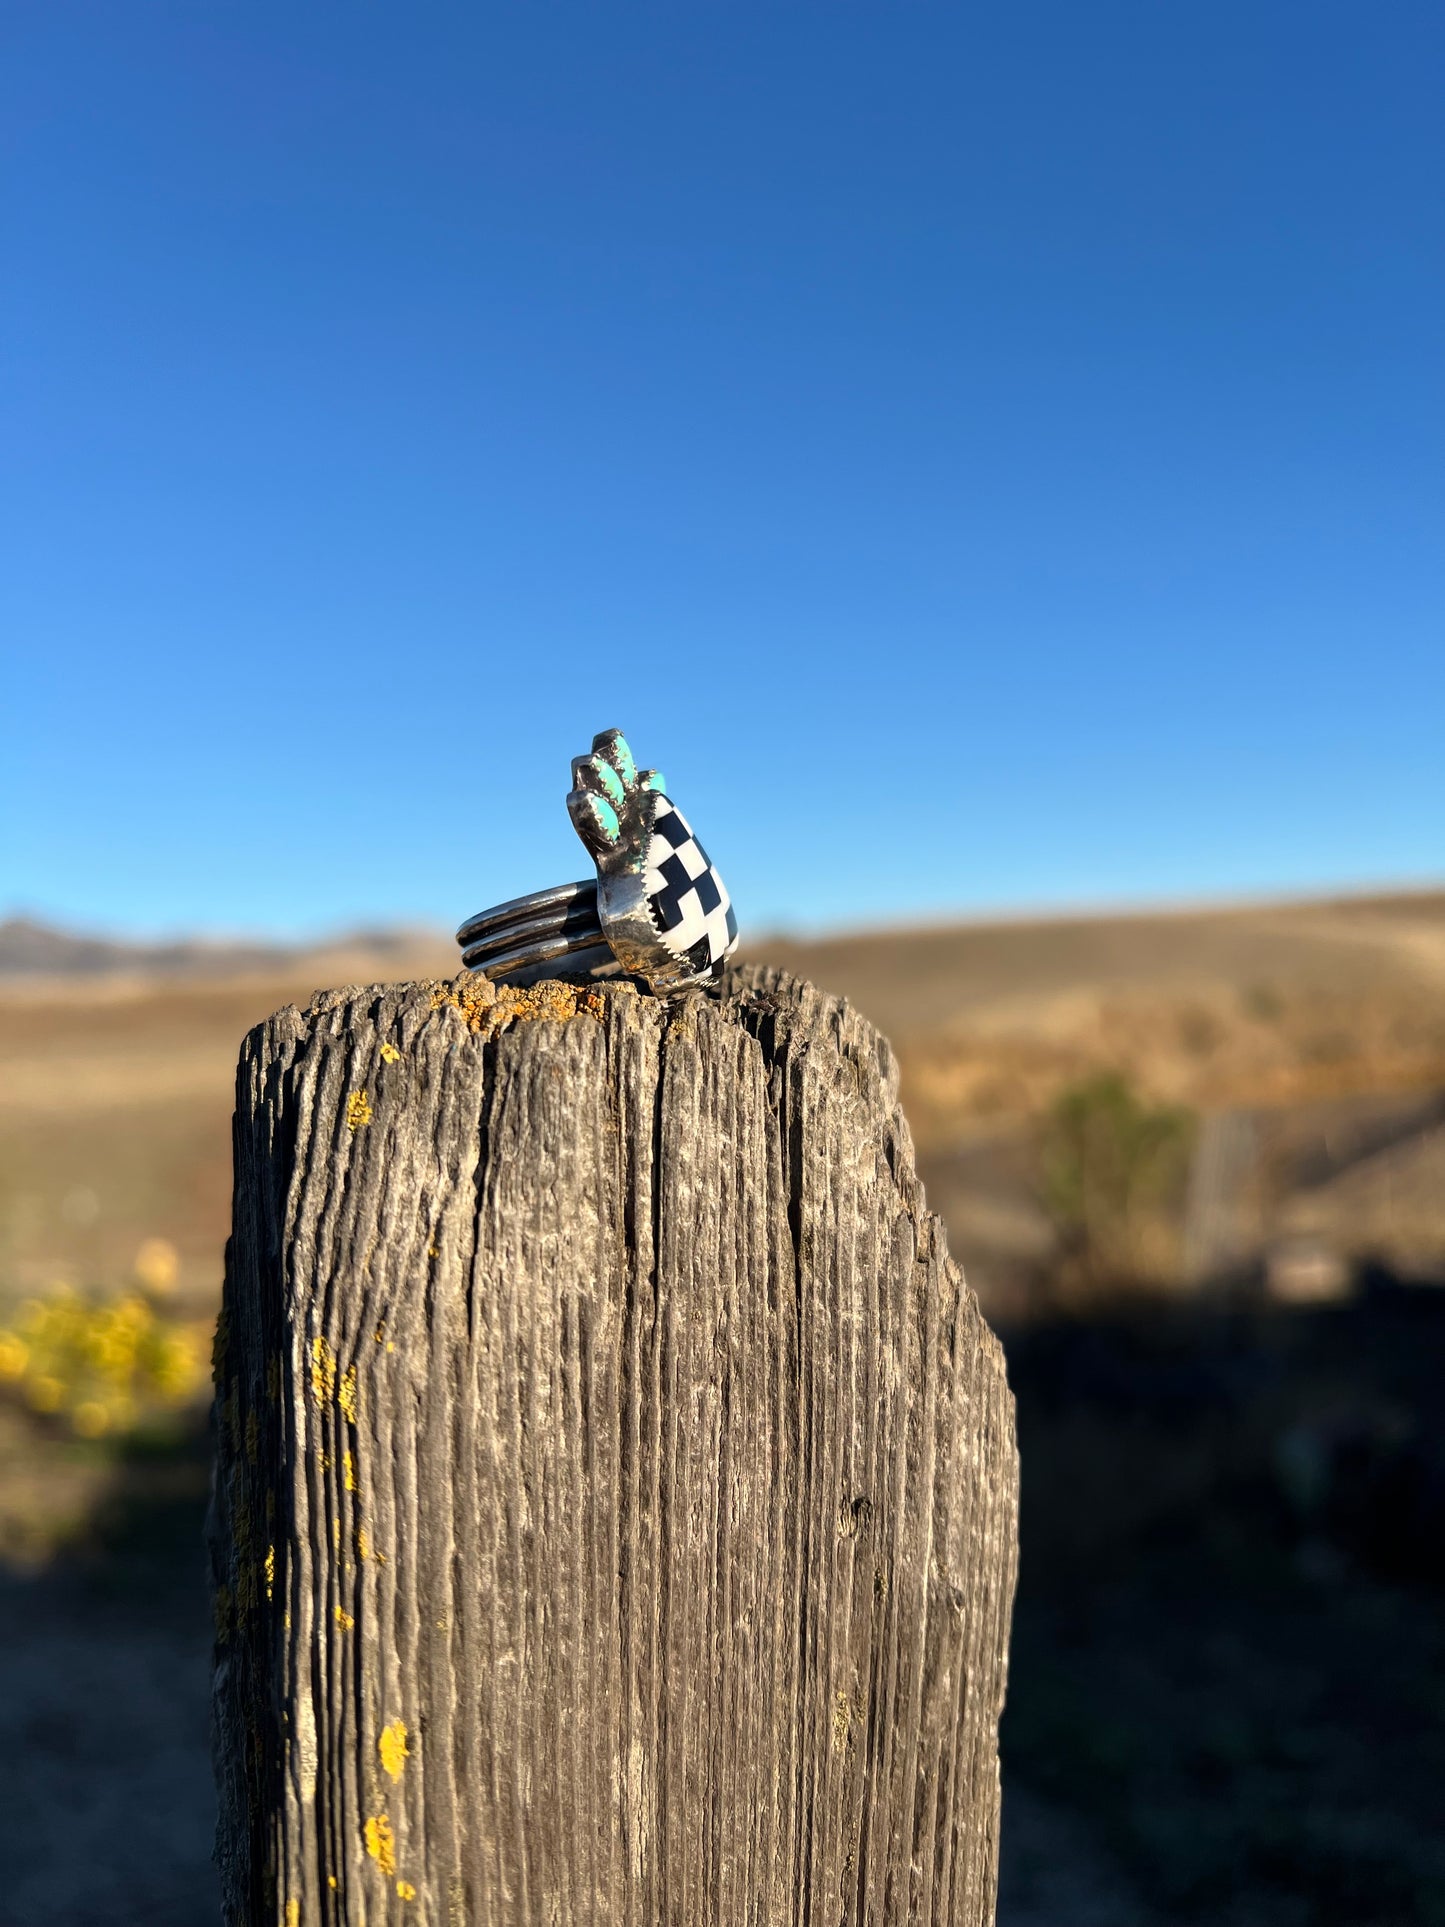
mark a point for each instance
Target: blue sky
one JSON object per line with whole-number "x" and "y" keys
{"x": 986, "y": 457}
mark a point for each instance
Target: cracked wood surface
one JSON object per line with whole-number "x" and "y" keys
{"x": 616, "y": 1489}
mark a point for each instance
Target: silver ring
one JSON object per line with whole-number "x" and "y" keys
{"x": 658, "y": 906}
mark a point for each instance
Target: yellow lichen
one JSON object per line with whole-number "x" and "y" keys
{"x": 381, "y": 1843}
{"x": 323, "y": 1371}
{"x": 358, "y": 1111}
{"x": 489, "y": 1008}
{"x": 393, "y": 1749}
{"x": 389, "y": 1053}
{"x": 405, "y": 1890}
{"x": 343, "y": 1618}
{"x": 363, "y": 1546}
{"x": 348, "y": 1471}
{"x": 346, "y": 1393}
{"x": 270, "y": 1570}
{"x": 293, "y": 1913}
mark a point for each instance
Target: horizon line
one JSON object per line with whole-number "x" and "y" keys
{"x": 1121, "y": 909}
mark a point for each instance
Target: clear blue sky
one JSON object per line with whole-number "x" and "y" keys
{"x": 986, "y": 456}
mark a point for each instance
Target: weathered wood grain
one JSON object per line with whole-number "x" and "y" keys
{"x": 615, "y": 1497}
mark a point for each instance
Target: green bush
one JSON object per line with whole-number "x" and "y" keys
{"x": 1113, "y": 1172}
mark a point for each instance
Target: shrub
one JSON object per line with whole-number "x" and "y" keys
{"x": 100, "y": 1365}
{"x": 1113, "y": 1171}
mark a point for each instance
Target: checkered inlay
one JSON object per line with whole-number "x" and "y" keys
{"x": 688, "y": 899}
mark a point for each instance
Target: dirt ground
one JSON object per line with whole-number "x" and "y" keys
{"x": 1227, "y": 1688}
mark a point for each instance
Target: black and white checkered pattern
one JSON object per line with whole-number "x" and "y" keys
{"x": 686, "y": 896}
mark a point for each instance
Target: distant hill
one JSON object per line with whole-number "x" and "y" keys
{"x": 905, "y": 977}
{"x": 32, "y": 949}
{"x": 38, "y": 949}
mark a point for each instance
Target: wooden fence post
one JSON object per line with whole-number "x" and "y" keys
{"x": 615, "y": 1494}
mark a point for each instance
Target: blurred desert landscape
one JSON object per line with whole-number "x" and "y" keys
{"x": 1305, "y": 1041}
{"x": 1194, "y": 1165}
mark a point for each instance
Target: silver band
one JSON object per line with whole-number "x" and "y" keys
{"x": 536, "y": 929}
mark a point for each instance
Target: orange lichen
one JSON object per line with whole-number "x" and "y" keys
{"x": 474, "y": 997}
{"x": 490, "y": 1008}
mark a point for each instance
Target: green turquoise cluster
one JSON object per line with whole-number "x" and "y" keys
{"x": 606, "y": 788}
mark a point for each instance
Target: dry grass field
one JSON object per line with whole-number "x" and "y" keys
{"x": 115, "y": 1085}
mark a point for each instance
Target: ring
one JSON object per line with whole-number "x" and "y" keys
{"x": 658, "y": 906}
